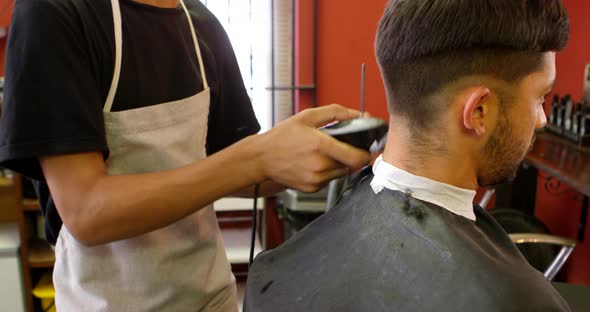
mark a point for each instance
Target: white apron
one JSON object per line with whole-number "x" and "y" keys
{"x": 182, "y": 267}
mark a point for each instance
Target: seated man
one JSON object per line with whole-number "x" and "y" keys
{"x": 465, "y": 83}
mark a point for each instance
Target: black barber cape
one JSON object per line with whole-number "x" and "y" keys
{"x": 391, "y": 252}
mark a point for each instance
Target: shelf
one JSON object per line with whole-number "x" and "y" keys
{"x": 41, "y": 255}
{"x": 4, "y": 182}
{"x": 562, "y": 159}
{"x": 31, "y": 205}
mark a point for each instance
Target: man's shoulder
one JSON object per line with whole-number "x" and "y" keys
{"x": 359, "y": 246}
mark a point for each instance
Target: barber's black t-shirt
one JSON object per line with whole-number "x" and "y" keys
{"x": 60, "y": 62}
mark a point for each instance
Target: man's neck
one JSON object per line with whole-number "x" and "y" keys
{"x": 161, "y": 3}
{"x": 445, "y": 166}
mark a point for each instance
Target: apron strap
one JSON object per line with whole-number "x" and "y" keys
{"x": 118, "y": 55}
{"x": 118, "y": 52}
{"x": 197, "y": 48}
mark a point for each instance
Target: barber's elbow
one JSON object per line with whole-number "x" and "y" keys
{"x": 83, "y": 234}
{"x": 83, "y": 229}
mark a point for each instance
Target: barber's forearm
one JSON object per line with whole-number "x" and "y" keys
{"x": 99, "y": 208}
{"x": 120, "y": 207}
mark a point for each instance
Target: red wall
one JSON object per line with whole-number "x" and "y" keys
{"x": 5, "y": 12}
{"x": 572, "y": 60}
{"x": 346, "y": 39}
{"x": 346, "y": 33}
{"x": 2, "y": 56}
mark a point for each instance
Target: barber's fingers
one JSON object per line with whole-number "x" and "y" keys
{"x": 366, "y": 115}
{"x": 320, "y": 163}
{"x": 318, "y": 180}
{"x": 345, "y": 154}
{"x": 335, "y": 173}
{"x": 317, "y": 117}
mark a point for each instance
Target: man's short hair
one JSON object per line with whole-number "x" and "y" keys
{"x": 424, "y": 45}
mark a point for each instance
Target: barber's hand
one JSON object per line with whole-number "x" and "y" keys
{"x": 300, "y": 156}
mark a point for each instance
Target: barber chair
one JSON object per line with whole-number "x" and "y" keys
{"x": 514, "y": 221}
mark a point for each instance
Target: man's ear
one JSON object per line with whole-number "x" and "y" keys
{"x": 476, "y": 109}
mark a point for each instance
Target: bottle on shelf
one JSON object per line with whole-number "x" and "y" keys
{"x": 585, "y": 121}
{"x": 567, "y": 118}
{"x": 554, "y": 110}
{"x": 577, "y": 118}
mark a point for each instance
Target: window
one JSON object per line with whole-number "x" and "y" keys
{"x": 251, "y": 26}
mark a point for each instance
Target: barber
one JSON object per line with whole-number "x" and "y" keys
{"x": 131, "y": 118}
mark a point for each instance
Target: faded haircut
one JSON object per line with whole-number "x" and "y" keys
{"x": 424, "y": 45}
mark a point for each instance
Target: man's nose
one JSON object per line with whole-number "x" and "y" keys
{"x": 541, "y": 119}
